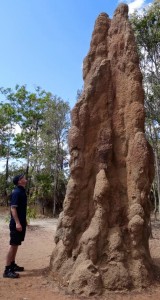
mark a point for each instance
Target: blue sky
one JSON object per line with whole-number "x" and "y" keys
{"x": 44, "y": 42}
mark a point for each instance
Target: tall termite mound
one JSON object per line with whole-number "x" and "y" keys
{"x": 102, "y": 235}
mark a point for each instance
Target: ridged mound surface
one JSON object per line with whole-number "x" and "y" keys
{"x": 102, "y": 235}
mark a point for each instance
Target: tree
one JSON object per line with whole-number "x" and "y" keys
{"x": 29, "y": 110}
{"x": 8, "y": 120}
{"x": 147, "y": 32}
{"x": 79, "y": 93}
{"x": 41, "y": 142}
{"x": 54, "y": 135}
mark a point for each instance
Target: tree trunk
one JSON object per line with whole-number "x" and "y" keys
{"x": 56, "y": 176}
{"x": 157, "y": 178}
{"x": 54, "y": 203}
{"x": 6, "y": 179}
{"x": 27, "y": 171}
{"x": 55, "y": 190}
{"x": 155, "y": 202}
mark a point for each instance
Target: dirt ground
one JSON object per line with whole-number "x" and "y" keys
{"x": 34, "y": 255}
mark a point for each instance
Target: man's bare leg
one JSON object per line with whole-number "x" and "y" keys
{"x": 11, "y": 254}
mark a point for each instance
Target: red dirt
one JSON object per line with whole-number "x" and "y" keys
{"x": 34, "y": 255}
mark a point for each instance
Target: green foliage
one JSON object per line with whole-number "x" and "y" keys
{"x": 147, "y": 32}
{"x": 31, "y": 213}
{"x": 79, "y": 93}
{"x": 7, "y": 125}
{"x": 7, "y": 219}
{"x": 39, "y": 147}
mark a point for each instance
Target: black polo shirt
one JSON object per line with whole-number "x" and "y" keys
{"x": 19, "y": 200}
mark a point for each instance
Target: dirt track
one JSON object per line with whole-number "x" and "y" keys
{"x": 34, "y": 255}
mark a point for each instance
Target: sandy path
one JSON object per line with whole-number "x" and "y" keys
{"x": 34, "y": 255}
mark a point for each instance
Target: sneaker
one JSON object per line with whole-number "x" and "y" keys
{"x": 17, "y": 268}
{"x": 10, "y": 274}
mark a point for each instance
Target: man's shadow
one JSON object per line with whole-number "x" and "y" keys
{"x": 35, "y": 272}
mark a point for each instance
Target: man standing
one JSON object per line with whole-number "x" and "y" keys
{"x": 17, "y": 225}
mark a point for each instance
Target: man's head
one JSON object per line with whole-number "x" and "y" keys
{"x": 20, "y": 180}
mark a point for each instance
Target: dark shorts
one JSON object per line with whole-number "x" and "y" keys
{"x": 17, "y": 237}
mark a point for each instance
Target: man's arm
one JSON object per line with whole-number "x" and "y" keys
{"x": 15, "y": 216}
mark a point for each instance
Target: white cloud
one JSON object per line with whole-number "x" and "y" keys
{"x": 135, "y": 5}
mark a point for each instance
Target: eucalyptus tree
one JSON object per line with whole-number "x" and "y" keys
{"x": 147, "y": 32}
{"x": 54, "y": 141}
{"x": 29, "y": 110}
{"x": 79, "y": 93}
{"x": 8, "y": 120}
{"x": 41, "y": 143}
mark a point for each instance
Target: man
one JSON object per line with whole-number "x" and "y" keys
{"x": 17, "y": 225}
